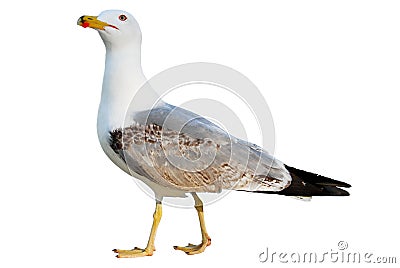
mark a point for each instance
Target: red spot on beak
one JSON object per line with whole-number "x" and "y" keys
{"x": 85, "y": 24}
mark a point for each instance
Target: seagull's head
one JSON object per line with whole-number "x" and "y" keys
{"x": 116, "y": 27}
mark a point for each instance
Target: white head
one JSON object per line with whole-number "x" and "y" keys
{"x": 117, "y": 28}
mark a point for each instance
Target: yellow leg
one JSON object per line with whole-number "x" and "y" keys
{"x": 192, "y": 249}
{"x": 148, "y": 251}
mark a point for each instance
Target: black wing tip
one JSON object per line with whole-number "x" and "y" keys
{"x": 305, "y": 183}
{"x": 316, "y": 178}
{"x": 340, "y": 184}
{"x": 335, "y": 191}
{"x": 338, "y": 192}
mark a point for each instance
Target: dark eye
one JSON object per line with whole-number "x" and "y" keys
{"x": 122, "y": 18}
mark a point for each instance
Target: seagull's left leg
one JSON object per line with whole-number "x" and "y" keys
{"x": 148, "y": 251}
{"x": 191, "y": 249}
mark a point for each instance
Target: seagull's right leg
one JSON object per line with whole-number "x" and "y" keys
{"x": 192, "y": 249}
{"x": 148, "y": 251}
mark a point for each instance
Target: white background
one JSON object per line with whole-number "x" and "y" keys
{"x": 329, "y": 71}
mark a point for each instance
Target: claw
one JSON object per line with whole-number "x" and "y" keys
{"x": 192, "y": 249}
{"x": 133, "y": 253}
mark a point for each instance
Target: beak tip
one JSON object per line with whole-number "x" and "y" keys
{"x": 83, "y": 22}
{"x": 91, "y": 22}
{"x": 80, "y": 21}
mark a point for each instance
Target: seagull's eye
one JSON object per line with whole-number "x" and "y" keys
{"x": 122, "y": 18}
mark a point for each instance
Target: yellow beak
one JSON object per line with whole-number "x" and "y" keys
{"x": 93, "y": 22}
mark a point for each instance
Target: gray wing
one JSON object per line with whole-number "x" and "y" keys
{"x": 176, "y": 148}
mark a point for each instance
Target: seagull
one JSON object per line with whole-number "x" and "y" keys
{"x": 148, "y": 140}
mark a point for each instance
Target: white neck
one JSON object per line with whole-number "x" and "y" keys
{"x": 123, "y": 77}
